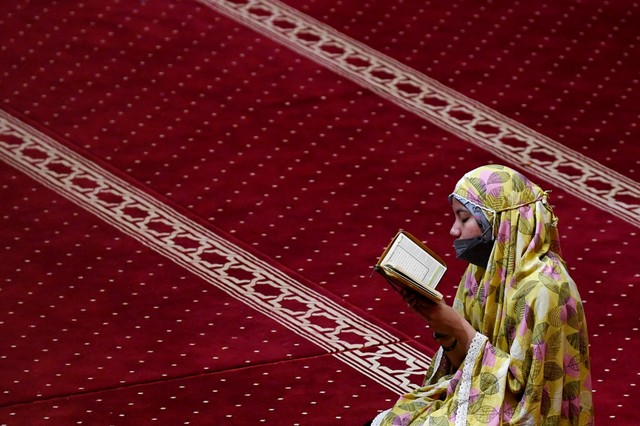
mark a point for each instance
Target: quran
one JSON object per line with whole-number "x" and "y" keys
{"x": 407, "y": 262}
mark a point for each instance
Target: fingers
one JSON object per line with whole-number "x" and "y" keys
{"x": 408, "y": 297}
{"x": 411, "y": 302}
{"x": 420, "y": 305}
{"x": 414, "y": 299}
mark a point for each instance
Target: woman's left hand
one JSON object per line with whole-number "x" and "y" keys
{"x": 440, "y": 316}
{"x": 443, "y": 319}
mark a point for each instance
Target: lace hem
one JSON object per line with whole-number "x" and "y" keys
{"x": 476, "y": 346}
{"x": 378, "y": 420}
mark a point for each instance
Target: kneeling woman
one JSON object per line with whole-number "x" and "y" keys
{"x": 514, "y": 345}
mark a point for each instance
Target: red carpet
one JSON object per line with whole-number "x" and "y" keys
{"x": 194, "y": 194}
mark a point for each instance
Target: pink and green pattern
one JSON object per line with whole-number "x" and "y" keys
{"x": 534, "y": 366}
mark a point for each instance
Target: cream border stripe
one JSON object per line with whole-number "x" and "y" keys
{"x": 425, "y": 97}
{"x": 350, "y": 338}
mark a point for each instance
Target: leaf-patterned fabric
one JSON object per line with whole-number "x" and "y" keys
{"x": 529, "y": 361}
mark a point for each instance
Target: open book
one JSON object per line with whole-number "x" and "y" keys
{"x": 408, "y": 262}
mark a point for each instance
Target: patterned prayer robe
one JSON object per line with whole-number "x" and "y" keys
{"x": 529, "y": 361}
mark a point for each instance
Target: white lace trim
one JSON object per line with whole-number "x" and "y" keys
{"x": 476, "y": 346}
{"x": 378, "y": 420}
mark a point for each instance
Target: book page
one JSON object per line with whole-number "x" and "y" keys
{"x": 407, "y": 257}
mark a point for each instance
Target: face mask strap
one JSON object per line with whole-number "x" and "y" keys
{"x": 485, "y": 232}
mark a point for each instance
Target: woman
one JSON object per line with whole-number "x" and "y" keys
{"x": 514, "y": 346}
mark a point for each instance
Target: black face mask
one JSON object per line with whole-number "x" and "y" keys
{"x": 474, "y": 250}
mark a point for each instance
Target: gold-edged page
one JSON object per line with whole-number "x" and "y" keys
{"x": 412, "y": 260}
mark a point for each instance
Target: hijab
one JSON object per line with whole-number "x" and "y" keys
{"x": 526, "y": 238}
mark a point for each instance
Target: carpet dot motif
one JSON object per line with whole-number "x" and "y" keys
{"x": 205, "y": 254}
{"x": 194, "y": 193}
{"x": 450, "y": 110}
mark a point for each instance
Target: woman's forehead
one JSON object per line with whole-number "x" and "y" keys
{"x": 458, "y": 206}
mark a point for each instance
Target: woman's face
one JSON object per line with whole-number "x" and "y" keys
{"x": 465, "y": 225}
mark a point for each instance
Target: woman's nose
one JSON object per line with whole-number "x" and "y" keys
{"x": 454, "y": 231}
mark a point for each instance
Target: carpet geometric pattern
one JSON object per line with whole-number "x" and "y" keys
{"x": 194, "y": 193}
